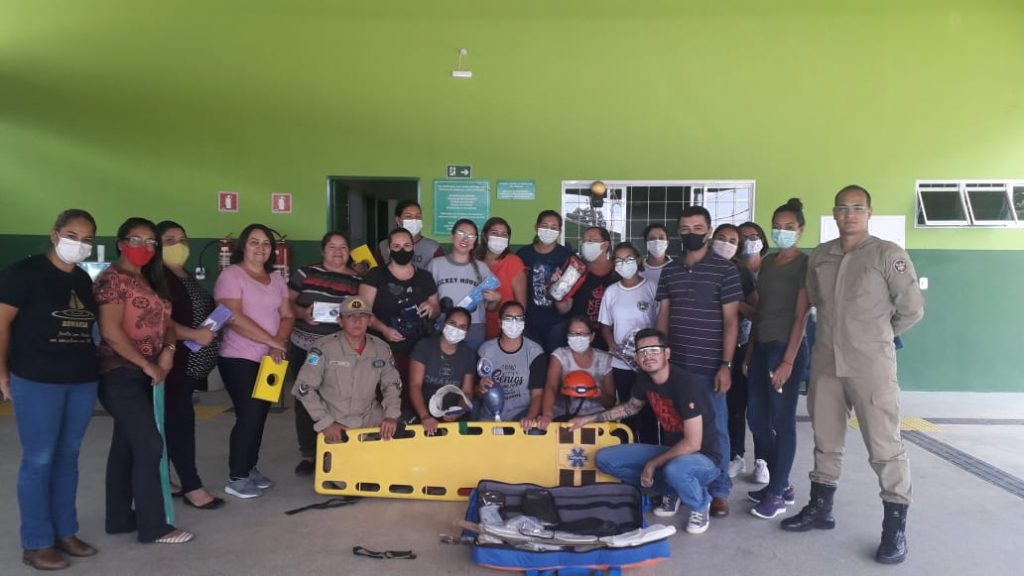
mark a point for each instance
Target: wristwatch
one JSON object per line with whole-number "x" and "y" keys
{"x": 727, "y": 364}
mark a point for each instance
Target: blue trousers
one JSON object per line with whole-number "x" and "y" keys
{"x": 771, "y": 415}
{"x": 687, "y": 476}
{"x": 721, "y": 487}
{"x": 51, "y": 419}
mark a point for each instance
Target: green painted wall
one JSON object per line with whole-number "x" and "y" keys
{"x": 150, "y": 107}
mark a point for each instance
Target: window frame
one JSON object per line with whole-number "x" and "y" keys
{"x": 963, "y": 190}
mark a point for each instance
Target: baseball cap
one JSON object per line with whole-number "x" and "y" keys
{"x": 354, "y": 305}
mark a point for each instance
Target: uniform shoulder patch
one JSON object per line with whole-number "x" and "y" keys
{"x": 379, "y": 363}
{"x": 313, "y": 358}
{"x": 900, "y": 266}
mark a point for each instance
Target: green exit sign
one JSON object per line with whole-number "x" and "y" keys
{"x": 456, "y": 171}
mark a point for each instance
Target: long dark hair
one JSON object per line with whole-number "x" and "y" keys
{"x": 481, "y": 250}
{"x": 153, "y": 272}
{"x": 239, "y": 253}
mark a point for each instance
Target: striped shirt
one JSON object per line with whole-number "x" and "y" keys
{"x": 314, "y": 283}
{"x": 696, "y": 296}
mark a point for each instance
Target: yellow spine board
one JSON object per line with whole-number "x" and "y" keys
{"x": 449, "y": 465}
{"x": 270, "y": 380}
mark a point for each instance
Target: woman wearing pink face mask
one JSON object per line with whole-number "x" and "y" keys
{"x": 137, "y": 352}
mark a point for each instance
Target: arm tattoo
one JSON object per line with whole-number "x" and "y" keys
{"x": 621, "y": 411}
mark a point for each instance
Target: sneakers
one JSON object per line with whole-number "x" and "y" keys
{"x": 669, "y": 506}
{"x": 760, "y": 475}
{"x": 737, "y": 466}
{"x": 769, "y": 507}
{"x": 243, "y": 488}
{"x": 699, "y": 521}
{"x": 261, "y": 481}
{"x": 788, "y": 495}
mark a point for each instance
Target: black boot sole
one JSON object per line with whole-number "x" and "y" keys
{"x": 815, "y": 525}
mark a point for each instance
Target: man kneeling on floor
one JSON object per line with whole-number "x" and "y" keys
{"x": 688, "y": 461}
{"x": 338, "y": 383}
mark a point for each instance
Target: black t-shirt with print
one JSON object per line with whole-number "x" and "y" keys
{"x": 396, "y": 302}
{"x": 51, "y": 336}
{"x": 680, "y": 398}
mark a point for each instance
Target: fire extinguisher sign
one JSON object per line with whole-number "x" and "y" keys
{"x": 227, "y": 201}
{"x": 281, "y": 203}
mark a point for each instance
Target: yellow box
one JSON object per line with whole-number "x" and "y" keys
{"x": 270, "y": 380}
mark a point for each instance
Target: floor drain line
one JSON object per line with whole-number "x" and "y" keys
{"x": 968, "y": 463}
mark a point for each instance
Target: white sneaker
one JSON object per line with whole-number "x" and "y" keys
{"x": 699, "y": 521}
{"x": 243, "y": 488}
{"x": 737, "y": 466}
{"x": 669, "y": 507}
{"x": 760, "y": 475}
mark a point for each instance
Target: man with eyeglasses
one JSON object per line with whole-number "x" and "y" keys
{"x": 688, "y": 459}
{"x": 866, "y": 293}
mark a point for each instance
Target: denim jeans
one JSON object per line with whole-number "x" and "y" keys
{"x": 722, "y": 486}
{"x": 687, "y": 476}
{"x": 51, "y": 420}
{"x": 771, "y": 415}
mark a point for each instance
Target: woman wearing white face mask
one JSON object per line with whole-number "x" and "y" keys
{"x": 579, "y": 355}
{"x": 458, "y": 273}
{"x": 439, "y": 361}
{"x": 629, "y": 306}
{"x": 544, "y": 323}
{"x": 778, "y": 359}
{"x": 727, "y": 242}
{"x": 49, "y": 369}
{"x": 506, "y": 267}
{"x": 656, "y": 239}
{"x": 520, "y": 366}
{"x": 595, "y": 250}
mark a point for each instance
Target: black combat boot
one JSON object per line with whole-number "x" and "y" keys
{"x": 817, "y": 513}
{"x": 893, "y": 548}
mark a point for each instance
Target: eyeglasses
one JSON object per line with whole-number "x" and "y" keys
{"x": 649, "y": 351}
{"x": 520, "y": 318}
{"x": 850, "y": 208}
{"x": 136, "y": 241}
{"x": 465, "y": 235}
{"x": 629, "y": 260}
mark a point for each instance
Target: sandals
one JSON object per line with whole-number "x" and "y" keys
{"x": 385, "y": 555}
{"x": 175, "y": 537}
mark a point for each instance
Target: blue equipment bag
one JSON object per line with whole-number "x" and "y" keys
{"x": 616, "y": 505}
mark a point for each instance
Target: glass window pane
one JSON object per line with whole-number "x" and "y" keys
{"x": 990, "y": 205}
{"x": 943, "y": 206}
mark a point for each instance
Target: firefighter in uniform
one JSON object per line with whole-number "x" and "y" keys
{"x": 338, "y": 383}
{"x": 866, "y": 293}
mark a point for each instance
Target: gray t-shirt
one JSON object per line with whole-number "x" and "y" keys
{"x": 517, "y": 372}
{"x": 441, "y": 369}
{"x": 422, "y": 252}
{"x": 456, "y": 281}
{"x": 777, "y": 288}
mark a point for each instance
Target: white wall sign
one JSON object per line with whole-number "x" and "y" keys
{"x": 891, "y": 228}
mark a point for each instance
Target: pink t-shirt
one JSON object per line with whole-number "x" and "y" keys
{"x": 261, "y": 303}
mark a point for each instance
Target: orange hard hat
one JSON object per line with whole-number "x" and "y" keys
{"x": 580, "y": 384}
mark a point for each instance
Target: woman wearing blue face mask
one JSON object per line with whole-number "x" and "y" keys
{"x": 778, "y": 358}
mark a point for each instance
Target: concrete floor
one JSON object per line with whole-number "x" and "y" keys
{"x": 959, "y": 524}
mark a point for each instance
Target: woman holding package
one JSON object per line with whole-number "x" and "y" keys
{"x": 329, "y": 282}
{"x": 52, "y": 383}
{"x": 137, "y": 353}
{"x": 403, "y": 299}
{"x": 458, "y": 273}
{"x": 190, "y": 305}
{"x": 261, "y": 322}
{"x": 544, "y": 323}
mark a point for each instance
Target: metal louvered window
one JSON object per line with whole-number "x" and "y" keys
{"x": 995, "y": 203}
{"x": 630, "y": 205}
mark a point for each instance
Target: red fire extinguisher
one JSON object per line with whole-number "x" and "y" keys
{"x": 225, "y": 246}
{"x": 283, "y": 257}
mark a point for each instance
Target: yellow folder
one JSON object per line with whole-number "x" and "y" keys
{"x": 270, "y": 380}
{"x": 364, "y": 254}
